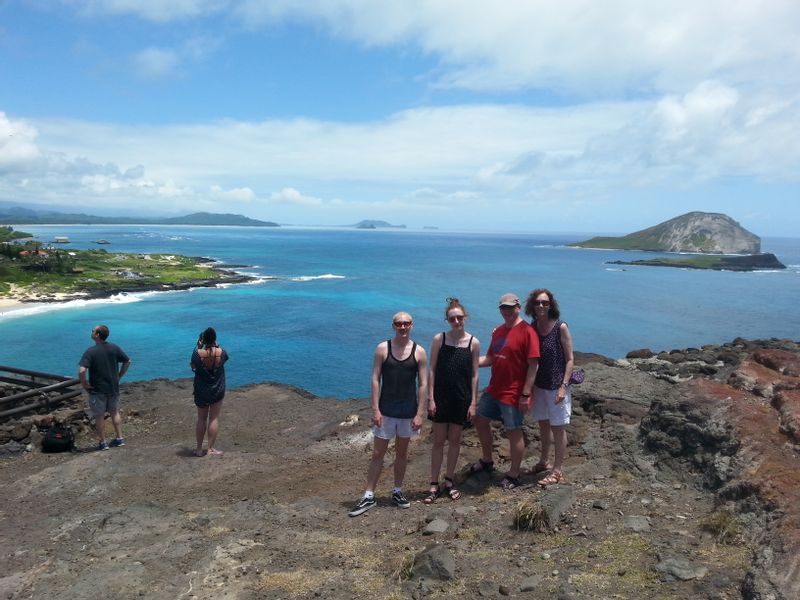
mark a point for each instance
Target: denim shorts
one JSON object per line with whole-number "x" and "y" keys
{"x": 393, "y": 427}
{"x": 494, "y": 410}
{"x": 100, "y": 404}
{"x": 546, "y": 409}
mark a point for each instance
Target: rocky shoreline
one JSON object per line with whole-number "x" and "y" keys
{"x": 751, "y": 262}
{"x": 681, "y": 483}
{"x": 224, "y": 276}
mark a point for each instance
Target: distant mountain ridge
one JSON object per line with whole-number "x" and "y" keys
{"x": 701, "y": 232}
{"x": 25, "y": 216}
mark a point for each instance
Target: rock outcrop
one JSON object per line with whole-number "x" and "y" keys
{"x": 709, "y": 233}
{"x": 740, "y": 430}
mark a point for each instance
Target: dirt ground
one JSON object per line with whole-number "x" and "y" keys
{"x": 268, "y": 519}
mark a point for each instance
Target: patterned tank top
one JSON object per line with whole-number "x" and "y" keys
{"x": 552, "y": 362}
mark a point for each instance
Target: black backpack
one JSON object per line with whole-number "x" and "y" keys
{"x": 58, "y": 438}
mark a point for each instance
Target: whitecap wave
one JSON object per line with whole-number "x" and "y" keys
{"x": 315, "y": 277}
{"x": 35, "y": 308}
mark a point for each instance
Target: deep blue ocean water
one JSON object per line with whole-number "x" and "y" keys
{"x": 327, "y": 297}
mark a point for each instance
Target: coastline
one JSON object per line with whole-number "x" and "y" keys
{"x": 20, "y": 298}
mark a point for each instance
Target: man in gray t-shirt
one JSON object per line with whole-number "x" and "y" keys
{"x": 102, "y": 361}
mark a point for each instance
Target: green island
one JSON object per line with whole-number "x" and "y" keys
{"x": 751, "y": 262}
{"x": 31, "y": 271}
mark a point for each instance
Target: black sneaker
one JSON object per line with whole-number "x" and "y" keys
{"x": 399, "y": 500}
{"x": 117, "y": 442}
{"x": 363, "y": 506}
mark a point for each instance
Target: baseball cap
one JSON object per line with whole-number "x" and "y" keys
{"x": 509, "y": 300}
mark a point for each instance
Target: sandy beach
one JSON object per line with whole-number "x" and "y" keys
{"x": 8, "y": 305}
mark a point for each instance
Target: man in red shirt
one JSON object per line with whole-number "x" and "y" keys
{"x": 513, "y": 356}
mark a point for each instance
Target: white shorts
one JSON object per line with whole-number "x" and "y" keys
{"x": 546, "y": 409}
{"x": 393, "y": 427}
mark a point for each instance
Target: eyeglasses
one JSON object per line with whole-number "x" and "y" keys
{"x": 402, "y": 323}
{"x": 541, "y": 302}
{"x": 508, "y": 307}
{"x": 455, "y": 318}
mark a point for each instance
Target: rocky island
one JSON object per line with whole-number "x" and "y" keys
{"x": 701, "y": 232}
{"x": 706, "y": 235}
{"x": 681, "y": 483}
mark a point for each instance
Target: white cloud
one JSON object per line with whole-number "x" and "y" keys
{"x": 237, "y": 195}
{"x": 292, "y": 196}
{"x": 18, "y": 149}
{"x": 575, "y": 46}
{"x": 422, "y": 158}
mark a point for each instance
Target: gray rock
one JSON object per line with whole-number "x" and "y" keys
{"x": 600, "y": 504}
{"x": 531, "y": 584}
{"x": 436, "y": 526}
{"x": 434, "y": 562}
{"x": 557, "y": 500}
{"x": 488, "y": 588}
{"x": 680, "y": 568}
{"x": 638, "y": 523}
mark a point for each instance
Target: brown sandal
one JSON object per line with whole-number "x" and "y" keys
{"x": 552, "y": 479}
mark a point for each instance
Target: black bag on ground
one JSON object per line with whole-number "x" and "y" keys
{"x": 58, "y": 438}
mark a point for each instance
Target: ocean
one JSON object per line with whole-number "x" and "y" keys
{"x": 325, "y": 298}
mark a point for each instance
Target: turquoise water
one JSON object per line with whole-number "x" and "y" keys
{"x": 326, "y": 297}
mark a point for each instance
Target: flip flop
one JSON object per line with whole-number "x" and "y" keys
{"x": 200, "y": 454}
{"x": 214, "y": 452}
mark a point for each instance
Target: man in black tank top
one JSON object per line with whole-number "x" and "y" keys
{"x": 399, "y": 380}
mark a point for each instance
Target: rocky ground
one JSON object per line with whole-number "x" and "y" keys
{"x": 681, "y": 483}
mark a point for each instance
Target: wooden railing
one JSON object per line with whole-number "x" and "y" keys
{"x": 45, "y": 390}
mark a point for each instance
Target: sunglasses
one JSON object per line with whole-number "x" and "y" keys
{"x": 402, "y": 323}
{"x": 455, "y": 318}
{"x": 541, "y": 302}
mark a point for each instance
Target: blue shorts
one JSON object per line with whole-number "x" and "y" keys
{"x": 393, "y": 427}
{"x": 494, "y": 410}
{"x": 100, "y": 404}
{"x": 545, "y": 407}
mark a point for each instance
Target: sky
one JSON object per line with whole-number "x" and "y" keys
{"x": 513, "y": 115}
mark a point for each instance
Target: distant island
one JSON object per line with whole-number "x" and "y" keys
{"x": 370, "y": 224}
{"x": 15, "y": 215}
{"x": 700, "y": 232}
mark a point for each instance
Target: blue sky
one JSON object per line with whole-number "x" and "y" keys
{"x": 570, "y": 116}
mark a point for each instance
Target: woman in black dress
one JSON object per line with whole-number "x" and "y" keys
{"x": 452, "y": 394}
{"x": 208, "y": 363}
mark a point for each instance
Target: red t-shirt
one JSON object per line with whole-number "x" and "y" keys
{"x": 510, "y": 350}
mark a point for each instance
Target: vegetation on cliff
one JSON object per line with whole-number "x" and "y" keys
{"x": 754, "y": 262}
{"x": 711, "y": 233}
{"x": 31, "y": 269}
